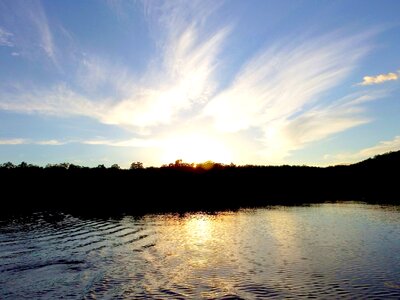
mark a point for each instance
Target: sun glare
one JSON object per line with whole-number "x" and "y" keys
{"x": 196, "y": 148}
{"x": 199, "y": 228}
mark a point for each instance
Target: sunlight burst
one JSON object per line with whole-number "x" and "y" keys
{"x": 195, "y": 148}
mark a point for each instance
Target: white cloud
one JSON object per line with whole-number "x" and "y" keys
{"x": 12, "y": 141}
{"x": 170, "y": 18}
{"x": 95, "y": 74}
{"x": 381, "y": 148}
{"x": 52, "y": 142}
{"x": 185, "y": 79}
{"x": 281, "y": 80}
{"x": 59, "y": 101}
{"x": 180, "y": 78}
{"x": 5, "y": 38}
{"x": 39, "y": 18}
{"x": 92, "y": 73}
{"x": 134, "y": 143}
{"x": 275, "y": 103}
{"x": 20, "y": 141}
{"x": 381, "y": 78}
{"x": 278, "y": 93}
{"x": 31, "y": 33}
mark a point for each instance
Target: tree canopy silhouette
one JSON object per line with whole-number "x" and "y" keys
{"x": 181, "y": 186}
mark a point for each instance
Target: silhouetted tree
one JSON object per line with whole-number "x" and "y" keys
{"x": 8, "y": 165}
{"x": 179, "y": 163}
{"x": 136, "y": 165}
{"x": 64, "y": 165}
{"x": 208, "y": 165}
{"x": 115, "y": 166}
{"x": 180, "y": 186}
{"x": 74, "y": 167}
{"x": 23, "y": 165}
{"x": 26, "y": 165}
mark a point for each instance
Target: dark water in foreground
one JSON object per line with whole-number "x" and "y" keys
{"x": 324, "y": 251}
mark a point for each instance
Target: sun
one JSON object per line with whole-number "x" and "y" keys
{"x": 195, "y": 148}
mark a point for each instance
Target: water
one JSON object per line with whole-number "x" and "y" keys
{"x": 323, "y": 251}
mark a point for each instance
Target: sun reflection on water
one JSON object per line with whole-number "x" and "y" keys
{"x": 199, "y": 229}
{"x": 197, "y": 248}
{"x": 327, "y": 251}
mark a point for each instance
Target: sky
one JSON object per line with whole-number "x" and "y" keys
{"x": 260, "y": 82}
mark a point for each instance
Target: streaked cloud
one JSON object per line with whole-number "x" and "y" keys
{"x": 95, "y": 75}
{"x": 59, "y": 101}
{"x": 31, "y": 33}
{"x": 12, "y": 141}
{"x": 5, "y": 38}
{"x": 180, "y": 77}
{"x": 185, "y": 80}
{"x": 182, "y": 74}
{"x": 381, "y": 78}
{"x": 380, "y": 148}
{"x": 20, "y": 141}
{"x": 282, "y": 79}
{"x": 39, "y": 19}
{"x": 52, "y": 142}
{"x": 275, "y": 104}
{"x": 134, "y": 143}
{"x": 278, "y": 94}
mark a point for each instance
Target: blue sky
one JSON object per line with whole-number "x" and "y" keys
{"x": 249, "y": 82}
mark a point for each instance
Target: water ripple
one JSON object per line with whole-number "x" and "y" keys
{"x": 322, "y": 251}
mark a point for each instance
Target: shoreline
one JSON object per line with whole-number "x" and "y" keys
{"x": 181, "y": 187}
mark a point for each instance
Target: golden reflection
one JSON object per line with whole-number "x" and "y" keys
{"x": 196, "y": 246}
{"x": 282, "y": 225}
{"x": 199, "y": 229}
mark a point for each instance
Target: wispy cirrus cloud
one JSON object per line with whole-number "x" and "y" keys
{"x": 30, "y": 28}
{"x": 13, "y": 141}
{"x": 185, "y": 80}
{"x": 58, "y": 101}
{"x": 39, "y": 20}
{"x": 380, "y": 148}
{"x": 20, "y": 141}
{"x": 52, "y": 142}
{"x": 98, "y": 76}
{"x": 180, "y": 77}
{"x": 5, "y": 38}
{"x": 282, "y": 79}
{"x": 378, "y": 79}
{"x": 275, "y": 103}
{"x": 278, "y": 93}
{"x": 134, "y": 142}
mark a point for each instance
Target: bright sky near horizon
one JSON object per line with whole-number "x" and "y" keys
{"x": 250, "y": 82}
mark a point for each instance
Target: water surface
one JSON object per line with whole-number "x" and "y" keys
{"x": 324, "y": 251}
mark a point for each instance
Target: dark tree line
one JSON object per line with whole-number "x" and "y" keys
{"x": 178, "y": 164}
{"x": 181, "y": 186}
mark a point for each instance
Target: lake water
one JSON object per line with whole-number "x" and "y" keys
{"x": 323, "y": 251}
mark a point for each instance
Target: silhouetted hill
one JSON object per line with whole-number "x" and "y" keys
{"x": 388, "y": 160}
{"x": 181, "y": 186}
